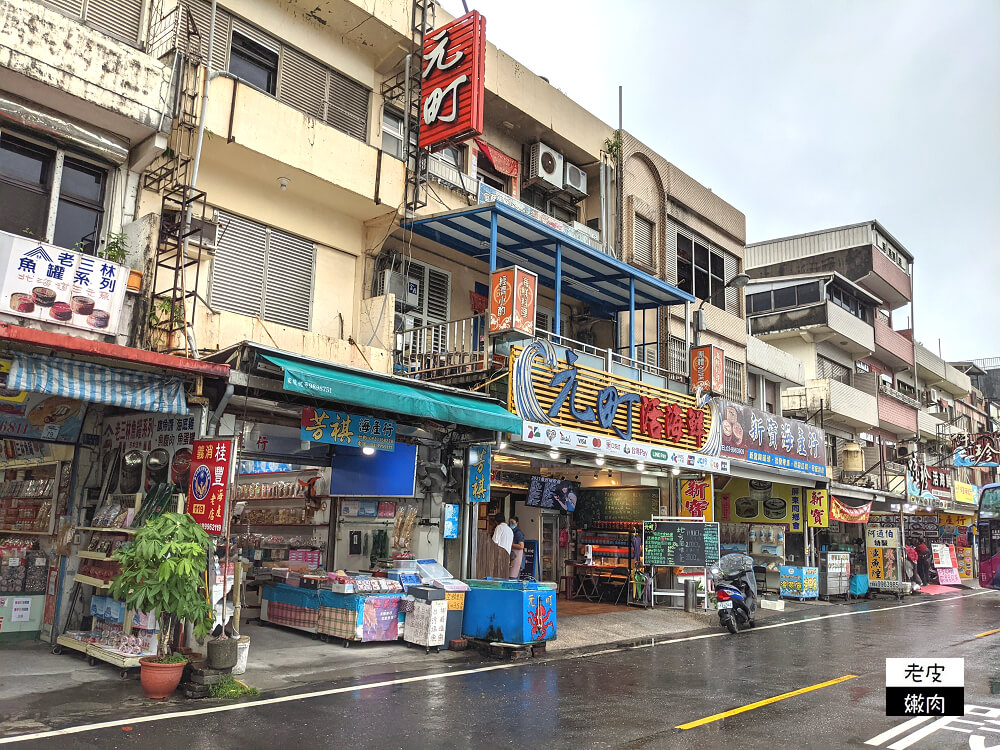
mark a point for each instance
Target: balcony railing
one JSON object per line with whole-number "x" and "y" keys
{"x": 898, "y": 395}
{"x": 441, "y": 350}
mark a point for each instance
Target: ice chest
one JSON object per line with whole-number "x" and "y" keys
{"x": 427, "y": 593}
{"x": 510, "y": 611}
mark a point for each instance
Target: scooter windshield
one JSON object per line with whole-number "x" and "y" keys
{"x": 735, "y": 563}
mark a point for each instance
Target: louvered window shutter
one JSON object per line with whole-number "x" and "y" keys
{"x": 72, "y": 8}
{"x": 118, "y": 18}
{"x": 347, "y": 106}
{"x": 731, "y": 265}
{"x": 201, "y": 16}
{"x": 302, "y": 82}
{"x": 238, "y": 270}
{"x": 438, "y": 295}
{"x": 642, "y": 241}
{"x": 289, "y": 288}
{"x": 542, "y": 321}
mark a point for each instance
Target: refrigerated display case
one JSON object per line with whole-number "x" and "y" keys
{"x": 834, "y": 573}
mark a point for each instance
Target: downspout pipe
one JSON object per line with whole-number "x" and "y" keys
{"x": 213, "y": 422}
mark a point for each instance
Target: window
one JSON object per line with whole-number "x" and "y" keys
{"x": 828, "y": 369}
{"x": 778, "y": 299}
{"x": 906, "y": 389}
{"x": 753, "y": 388}
{"x": 491, "y": 177}
{"x": 847, "y": 301}
{"x": 677, "y": 355}
{"x": 734, "y": 380}
{"x": 647, "y": 335}
{"x": 701, "y": 271}
{"x": 564, "y": 212}
{"x": 254, "y": 63}
{"x": 393, "y": 137}
{"x": 263, "y": 272}
{"x": 642, "y": 241}
{"x": 27, "y": 173}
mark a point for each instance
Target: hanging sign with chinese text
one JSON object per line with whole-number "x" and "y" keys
{"x": 512, "y": 301}
{"x": 758, "y": 437}
{"x": 848, "y": 514}
{"x": 206, "y": 501}
{"x": 817, "y": 509}
{"x": 696, "y": 498}
{"x": 927, "y": 483}
{"x": 708, "y": 369}
{"x": 452, "y": 92}
{"x": 339, "y": 428}
{"x": 977, "y": 449}
{"x": 478, "y": 486}
{"x": 966, "y": 493}
{"x": 59, "y": 286}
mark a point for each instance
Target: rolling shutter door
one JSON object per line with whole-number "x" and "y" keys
{"x": 642, "y": 241}
{"x": 288, "y": 293}
{"x": 118, "y": 18}
{"x": 302, "y": 82}
{"x": 347, "y": 106}
{"x": 238, "y": 270}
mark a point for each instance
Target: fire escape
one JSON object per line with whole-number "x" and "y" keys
{"x": 403, "y": 90}
{"x": 173, "y": 297}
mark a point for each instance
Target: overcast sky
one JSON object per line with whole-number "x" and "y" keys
{"x": 806, "y": 115}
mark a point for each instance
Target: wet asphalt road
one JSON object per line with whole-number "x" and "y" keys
{"x": 635, "y": 698}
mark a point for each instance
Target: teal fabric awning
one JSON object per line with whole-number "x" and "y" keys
{"x": 393, "y": 395}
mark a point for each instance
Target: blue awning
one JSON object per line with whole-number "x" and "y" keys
{"x": 386, "y": 393}
{"x": 86, "y": 381}
{"x": 587, "y": 273}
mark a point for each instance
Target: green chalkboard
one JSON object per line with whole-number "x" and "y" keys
{"x": 679, "y": 543}
{"x": 615, "y": 504}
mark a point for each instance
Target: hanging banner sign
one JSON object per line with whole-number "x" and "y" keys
{"x": 478, "y": 482}
{"x": 206, "y": 501}
{"x": 696, "y": 498}
{"x": 452, "y": 93}
{"x": 847, "y": 513}
{"x": 817, "y": 509}
{"x": 758, "y": 437}
{"x": 513, "y": 296}
{"x": 339, "y": 428}
{"x": 966, "y": 493}
{"x": 708, "y": 369}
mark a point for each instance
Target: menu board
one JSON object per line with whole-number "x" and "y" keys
{"x": 679, "y": 543}
{"x": 616, "y": 504}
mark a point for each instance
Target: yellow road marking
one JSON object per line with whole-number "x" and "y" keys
{"x": 765, "y": 702}
{"x": 989, "y": 632}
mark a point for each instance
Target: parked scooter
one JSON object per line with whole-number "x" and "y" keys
{"x": 736, "y": 591}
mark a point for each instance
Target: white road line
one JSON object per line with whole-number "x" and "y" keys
{"x": 903, "y": 728}
{"x": 439, "y": 675}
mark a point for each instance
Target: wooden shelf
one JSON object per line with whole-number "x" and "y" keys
{"x": 108, "y": 529}
{"x": 96, "y": 582}
{"x": 312, "y": 470}
{"x": 27, "y": 465}
{"x": 88, "y": 555}
{"x": 273, "y": 499}
{"x": 273, "y": 525}
{"x": 16, "y": 531}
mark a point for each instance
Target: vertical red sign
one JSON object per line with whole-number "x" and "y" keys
{"x": 708, "y": 368}
{"x": 206, "y": 501}
{"x": 454, "y": 81}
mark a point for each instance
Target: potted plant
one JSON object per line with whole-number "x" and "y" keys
{"x": 163, "y": 570}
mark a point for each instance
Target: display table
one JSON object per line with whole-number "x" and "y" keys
{"x": 519, "y": 612}
{"x": 290, "y": 606}
{"x": 360, "y": 617}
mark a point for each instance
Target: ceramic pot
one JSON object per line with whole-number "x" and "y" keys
{"x": 159, "y": 680}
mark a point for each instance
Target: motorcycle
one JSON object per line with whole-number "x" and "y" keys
{"x": 736, "y": 591}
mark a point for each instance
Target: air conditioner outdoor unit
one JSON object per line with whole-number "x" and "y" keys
{"x": 575, "y": 181}
{"x": 545, "y": 167}
{"x": 407, "y": 291}
{"x": 905, "y": 450}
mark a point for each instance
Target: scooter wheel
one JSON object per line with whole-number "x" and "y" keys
{"x": 752, "y": 623}
{"x": 733, "y": 626}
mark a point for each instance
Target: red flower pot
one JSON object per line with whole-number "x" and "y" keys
{"x": 159, "y": 680}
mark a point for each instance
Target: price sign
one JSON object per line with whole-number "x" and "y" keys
{"x": 690, "y": 544}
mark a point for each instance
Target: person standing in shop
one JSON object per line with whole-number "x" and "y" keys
{"x": 516, "y": 549}
{"x": 503, "y": 535}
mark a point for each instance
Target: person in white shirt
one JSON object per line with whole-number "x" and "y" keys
{"x": 503, "y": 535}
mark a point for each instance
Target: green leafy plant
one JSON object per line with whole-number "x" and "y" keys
{"x": 27, "y": 232}
{"x": 173, "y": 659}
{"x": 163, "y": 311}
{"x": 230, "y": 687}
{"x": 162, "y": 570}
{"x": 115, "y": 248}
{"x": 613, "y": 146}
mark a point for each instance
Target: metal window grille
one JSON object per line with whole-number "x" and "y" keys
{"x": 734, "y": 380}
{"x": 642, "y": 240}
{"x": 677, "y": 355}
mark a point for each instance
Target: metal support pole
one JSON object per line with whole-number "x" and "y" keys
{"x": 557, "y": 325}
{"x": 493, "y": 240}
{"x": 687, "y": 338}
{"x": 631, "y": 317}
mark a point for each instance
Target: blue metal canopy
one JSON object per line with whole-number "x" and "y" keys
{"x": 506, "y": 236}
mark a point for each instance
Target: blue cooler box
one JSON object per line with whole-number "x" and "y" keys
{"x": 510, "y": 611}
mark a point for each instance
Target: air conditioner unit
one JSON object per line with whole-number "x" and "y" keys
{"x": 575, "y": 181}
{"x": 545, "y": 168}
{"x": 905, "y": 450}
{"x": 407, "y": 291}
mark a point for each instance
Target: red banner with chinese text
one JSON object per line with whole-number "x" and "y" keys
{"x": 207, "y": 491}
{"x": 847, "y": 513}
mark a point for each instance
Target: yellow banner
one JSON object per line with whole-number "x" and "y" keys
{"x": 966, "y": 493}
{"x": 696, "y": 498}
{"x": 755, "y": 501}
{"x": 954, "y": 519}
{"x": 817, "y": 508}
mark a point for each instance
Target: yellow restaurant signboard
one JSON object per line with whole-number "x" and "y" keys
{"x": 966, "y": 493}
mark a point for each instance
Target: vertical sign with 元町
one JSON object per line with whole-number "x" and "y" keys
{"x": 452, "y": 92}
{"x": 478, "y": 482}
{"x": 925, "y": 687}
{"x": 817, "y": 509}
{"x": 206, "y": 501}
{"x": 512, "y": 301}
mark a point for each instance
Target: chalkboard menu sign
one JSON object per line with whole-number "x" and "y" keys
{"x": 615, "y": 504}
{"x": 679, "y": 543}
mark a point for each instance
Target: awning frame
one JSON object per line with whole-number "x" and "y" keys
{"x": 498, "y": 232}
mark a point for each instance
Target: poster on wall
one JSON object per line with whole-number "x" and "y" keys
{"x": 696, "y": 498}
{"x": 206, "y": 501}
{"x": 759, "y": 501}
{"x": 37, "y": 416}
{"x": 882, "y": 545}
{"x": 142, "y": 449}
